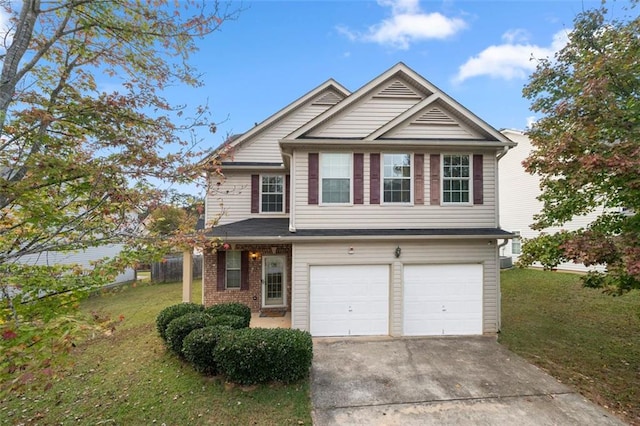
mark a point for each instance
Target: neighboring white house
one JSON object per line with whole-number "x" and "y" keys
{"x": 82, "y": 258}
{"x": 365, "y": 213}
{"x": 518, "y": 201}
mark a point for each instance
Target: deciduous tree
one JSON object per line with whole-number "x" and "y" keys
{"x": 587, "y": 146}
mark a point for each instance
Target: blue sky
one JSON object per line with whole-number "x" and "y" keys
{"x": 476, "y": 51}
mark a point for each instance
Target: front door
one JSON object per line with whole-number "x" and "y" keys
{"x": 274, "y": 281}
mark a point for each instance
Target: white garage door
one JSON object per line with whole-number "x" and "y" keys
{"x": 349, "y": 300}
{"x": 442, "y": 300}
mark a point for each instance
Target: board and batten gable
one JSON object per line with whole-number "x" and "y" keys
{"x": 518, "y": 200}
{"x": 389, "y": 216}
{"x": 433, "y": 252}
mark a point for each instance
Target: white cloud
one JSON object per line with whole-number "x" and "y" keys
{"x": 530, "y": 121}
{"x": 6, "y": 30}
{"x": 510, "y": 60}
{"x": 407, "y": 24}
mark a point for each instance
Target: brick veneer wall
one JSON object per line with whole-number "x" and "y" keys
{"x": 253, "y": 296}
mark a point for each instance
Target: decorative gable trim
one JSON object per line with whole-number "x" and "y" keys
{"x": 330, "y": 98}
{"x": 434, "y": 116}
{"x": 398, "y": 89}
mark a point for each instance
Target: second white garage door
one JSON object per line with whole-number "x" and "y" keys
{"x": 349, "y": 300}
{"x": 442, "y": 300}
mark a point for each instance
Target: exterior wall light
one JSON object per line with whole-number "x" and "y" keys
{"x": 351, "y": 250}
{"x": 254, "y": 255}
{"x": 398, "y": 252}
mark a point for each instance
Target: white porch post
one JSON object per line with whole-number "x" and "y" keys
{"x": 187, "y": 274}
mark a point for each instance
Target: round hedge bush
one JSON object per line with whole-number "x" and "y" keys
{"x": 199, "y": 345}
{"x": 231, "y": 308}
{"x": 259, "y": 355}
{"x": 172, "y": 312}
{"x": 232, "y": 321}
{"x": 180, "y": 327}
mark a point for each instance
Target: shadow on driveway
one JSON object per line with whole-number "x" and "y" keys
{"x": 438, "y": 381}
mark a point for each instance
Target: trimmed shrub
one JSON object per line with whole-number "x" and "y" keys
{"x": 199, "y": 345}
{"x": 172, "y": 312}
{"x": 180, "y": 327}
{"x": 232, "y": 321}
{"x": 259, "y": 355}
{"x": 231, "y": 308}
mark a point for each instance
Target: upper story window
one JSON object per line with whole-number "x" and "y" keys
{"x": 335, "y": 178}
{"x": 233, "y": 268}
{"x": 456, "y": 171}
{"x": 272, "y": 194}
{"x": 396, "y": 173}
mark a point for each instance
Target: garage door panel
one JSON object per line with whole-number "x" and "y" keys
{"x": 442, "y": 299}
{"x": 349, "y": 300}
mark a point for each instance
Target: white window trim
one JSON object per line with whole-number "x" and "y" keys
{"x": 517, "y": 236}
{"x": 284, "y": 193}
{"x": 452, "y": 203}
{"x": 226, "y": 271}
{"x": 320, "y": 177}
{"x": 412, "y": 181}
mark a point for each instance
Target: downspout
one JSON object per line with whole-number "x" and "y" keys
{"x": 292, "y": 198}
{"x": 505, "y": 149}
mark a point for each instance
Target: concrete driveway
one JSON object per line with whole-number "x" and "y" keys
{"x": 438, "y": 381}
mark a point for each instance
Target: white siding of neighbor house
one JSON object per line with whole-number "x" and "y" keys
{"x": 381, "y": 216}
{"x": 364, "y": 118}
{"x": 264, "y": 147}
{"x": 80, "y": 257}
{"x": 382, "y": 253}
{"x": 518, "y": 202}
{"x": 231, "y": 200}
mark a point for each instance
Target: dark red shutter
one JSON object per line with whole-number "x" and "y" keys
{"x": 418, "y": 178}
{"x": 358, "y": 178}
{"x": 222, "y": 269}
{"x": 435, "y": 179}
{"x": 287, "y": 193}
{"x": 374, "y": 181}
{"x": 313, "y": 178}
{"x": 478, "y": 197}
{"x": 255, "y": 193}
{"x": 244, "y": 270}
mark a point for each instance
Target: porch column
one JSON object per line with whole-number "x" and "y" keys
{"x": 187, "y": 274}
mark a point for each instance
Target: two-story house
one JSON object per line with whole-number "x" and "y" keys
{"x": 365, "y": 213}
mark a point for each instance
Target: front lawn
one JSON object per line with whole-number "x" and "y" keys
{"x": 128, "y": 377}
{"x": 584, "y": 338}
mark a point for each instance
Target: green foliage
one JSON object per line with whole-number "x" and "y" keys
{"x": 231, "y": 308}
{"x": 172, "y": 312}
{"x": 233, "y": 321}
{"x": 180, "y": 327}
{"x": 260, "y": 355}
{"x": 199, "y": 345}
{"x": 586, "y": 142}
{"x": 546, "y": 249}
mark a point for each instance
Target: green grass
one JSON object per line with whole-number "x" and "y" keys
{"x": 584, "y": 338}
{"x": 128, "y": 377}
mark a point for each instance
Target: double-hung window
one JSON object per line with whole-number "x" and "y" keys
{"x": 272, "y": 194}
{"x": 335, "y": 178}
{"x": 396, "y": 172}
{"x": 233, "y": 268}
{"x": 456, "y": 172}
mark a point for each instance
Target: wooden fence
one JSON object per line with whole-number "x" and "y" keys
{"x": 170, "y": 269}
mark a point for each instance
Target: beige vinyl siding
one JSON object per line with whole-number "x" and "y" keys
{"x": 382, "y": 253}
{"x": 231, "y": 200}
{"x": 394, "y": 216}
{"x": 423, "y": 131}
{"x": 264, "y": 147}
{"x": 364, "y": 118}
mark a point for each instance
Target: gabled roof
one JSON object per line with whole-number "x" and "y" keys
{"x": 334, "y": 93}
{"x": 402, "y": 82}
